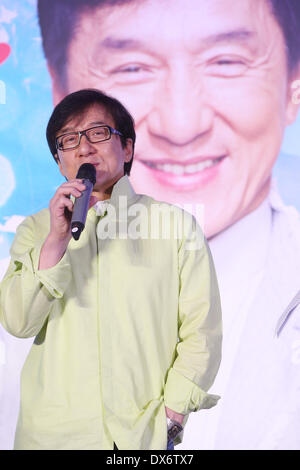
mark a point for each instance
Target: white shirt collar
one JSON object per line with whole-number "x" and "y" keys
{"x": 100, "y": 207}
{"x": 242, "y": 247}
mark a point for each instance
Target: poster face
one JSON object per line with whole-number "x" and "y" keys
{"x": 207, "y": 83}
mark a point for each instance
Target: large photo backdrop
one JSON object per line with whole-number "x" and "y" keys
{"x": 215, "y": 119}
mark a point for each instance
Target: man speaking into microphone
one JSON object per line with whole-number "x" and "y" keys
{"x": 127, "y": 328}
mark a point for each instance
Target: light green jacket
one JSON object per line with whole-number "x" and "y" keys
{"x": 123, "y": 326}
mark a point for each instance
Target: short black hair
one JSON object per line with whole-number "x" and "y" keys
{"x": 287, "y": 14}
{"x": 78, "y": 102}
{"x": 58, "y": 20}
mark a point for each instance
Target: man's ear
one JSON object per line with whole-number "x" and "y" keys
{"x": 293, "y": 103}
{"x": 58, "y": 92}
{"x": 128, "y": 150}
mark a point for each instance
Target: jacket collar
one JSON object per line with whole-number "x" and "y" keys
{"x": 287, "y": 313}
{"x": 122, "y": 190}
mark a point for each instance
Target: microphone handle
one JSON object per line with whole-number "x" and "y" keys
{"x": 80, "y": 210}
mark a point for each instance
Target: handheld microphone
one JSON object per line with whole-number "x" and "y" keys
{"x": 87, "y": 172}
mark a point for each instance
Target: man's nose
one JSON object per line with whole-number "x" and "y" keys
{"x": 181, "y": 112}
{"x": 86, "y": 147}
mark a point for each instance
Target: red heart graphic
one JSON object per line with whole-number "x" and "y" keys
{"x": 4, "y": 51}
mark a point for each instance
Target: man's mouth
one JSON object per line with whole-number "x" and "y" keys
{"x": 188, "y": 176}
{"x": 183, "y": 169}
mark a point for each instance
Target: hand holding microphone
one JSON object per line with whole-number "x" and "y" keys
{"x": 65, "y": 216}
{"x": 87, "y": 172}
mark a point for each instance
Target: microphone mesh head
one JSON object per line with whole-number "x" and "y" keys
{"x": 87, "y": 171}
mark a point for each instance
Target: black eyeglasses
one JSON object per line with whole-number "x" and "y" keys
{"x": 71, "y": 140}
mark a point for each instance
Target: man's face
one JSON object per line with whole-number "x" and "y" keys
{"x": 108, "y": 157}
{"x": 208, "y": 90}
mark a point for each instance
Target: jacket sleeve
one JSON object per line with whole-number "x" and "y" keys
{"x": 198, "y": 351}
{"x": 27, "y": 293}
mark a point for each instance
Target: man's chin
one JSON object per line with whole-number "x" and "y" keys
{"x": 105, "y": 183}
